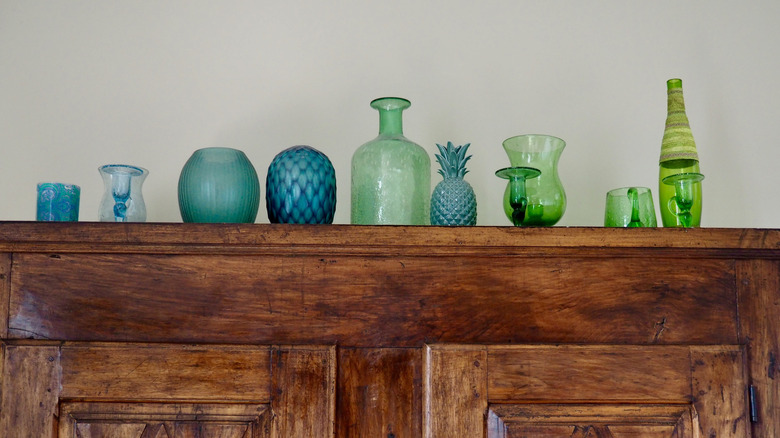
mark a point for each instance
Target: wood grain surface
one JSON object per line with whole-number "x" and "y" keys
{"x": 371, "y": 301}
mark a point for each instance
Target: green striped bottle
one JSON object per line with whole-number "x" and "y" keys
{"x": 678, "y": 156}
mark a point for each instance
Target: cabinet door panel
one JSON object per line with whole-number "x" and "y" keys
{"x": 584, "y": 391}
{"x": 164, "y": 391}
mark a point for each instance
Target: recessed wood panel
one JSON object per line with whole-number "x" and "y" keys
{"x": 160, "y": 372}
{"x": 570, "y": 372}
{"x": 372, "y": 301}
{"x": 379, "y": 392}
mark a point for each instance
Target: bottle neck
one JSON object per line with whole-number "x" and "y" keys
{"x": 675, "y": 103}
{"x": 391, "y": 122}
{"x": 678, "y": 142}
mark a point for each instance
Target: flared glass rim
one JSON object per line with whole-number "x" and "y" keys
{"x": 123, "y": 169}
{"x": 554, "y": 143}
{"x": 390, "y": 103}
{"x": 693, "y": 177}
{"x": 623, "y": 191}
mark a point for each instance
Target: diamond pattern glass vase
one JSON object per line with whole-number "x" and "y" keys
{"x": 300, "y": 187}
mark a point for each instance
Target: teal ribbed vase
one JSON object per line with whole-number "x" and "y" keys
{"x": 219, "y": 185}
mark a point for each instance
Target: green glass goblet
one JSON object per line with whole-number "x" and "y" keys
{"x": 518, "y": 199}
{"x": 684, "y": 189}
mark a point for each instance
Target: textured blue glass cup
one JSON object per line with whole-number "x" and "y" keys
{"x": 58, "y": 202}
{"x": 300, "y": 187}
{"x": 219, "y": 185}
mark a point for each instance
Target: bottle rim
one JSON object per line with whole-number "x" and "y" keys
{"x": 390, "y": 103}
{"x": 672, "y": 84}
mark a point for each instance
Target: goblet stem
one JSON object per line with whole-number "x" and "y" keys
{"x": 517, "y": 199}
{"x": 517, "y": 193}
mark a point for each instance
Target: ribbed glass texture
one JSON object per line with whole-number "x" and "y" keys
{"x": 300, "y": 187}
{"x": 391, "y": 176}
{"x": 219, "y": 185}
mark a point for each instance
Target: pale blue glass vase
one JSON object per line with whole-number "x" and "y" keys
{"x": 123, "y": 200}
{"x": 219, "y": 185}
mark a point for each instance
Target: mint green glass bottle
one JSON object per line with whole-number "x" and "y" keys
{"x": 391, "y": 176}
{"x": 679, "y": 179}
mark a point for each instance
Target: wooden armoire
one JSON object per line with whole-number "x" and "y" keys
{"x": 212, "y": 330}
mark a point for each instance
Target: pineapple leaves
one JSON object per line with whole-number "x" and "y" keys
{"x": 452, "y": 160}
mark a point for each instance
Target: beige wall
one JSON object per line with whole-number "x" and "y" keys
{"x": 85, "y": 83}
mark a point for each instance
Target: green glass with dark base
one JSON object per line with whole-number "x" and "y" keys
{"x": 391, "y": 175}
{"x": 517, "y": 189}
{"x": 678, "y": 156}
{"x": 682, "y": 202}
{"x": 544, "y": 194}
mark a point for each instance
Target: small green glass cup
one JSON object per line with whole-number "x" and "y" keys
{"x": 630, "y": 207}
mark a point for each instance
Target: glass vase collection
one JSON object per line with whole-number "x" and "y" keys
{"x": 391, "y": 182}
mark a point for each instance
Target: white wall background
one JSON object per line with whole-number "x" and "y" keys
{"x": 146, "y": 82}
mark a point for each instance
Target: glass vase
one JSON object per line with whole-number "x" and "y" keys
{"x": 391, "y": 176}
{"x": 219, "y": 185}
{"x": 123, "y": 199}
{"x": 300, "y": 187}
{"x": 545, "y": 197}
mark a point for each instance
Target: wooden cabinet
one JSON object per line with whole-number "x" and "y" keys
{"x": 207, "y": 330}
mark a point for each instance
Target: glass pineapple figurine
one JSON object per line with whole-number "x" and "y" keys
{"x": 453, "y": 201}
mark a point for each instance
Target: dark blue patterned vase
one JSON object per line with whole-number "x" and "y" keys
{"x": 300, "y": 187}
